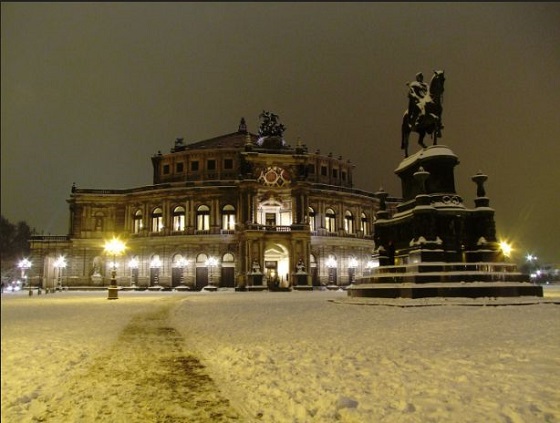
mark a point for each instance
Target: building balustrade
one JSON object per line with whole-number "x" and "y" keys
{"x": 49, "y": 238}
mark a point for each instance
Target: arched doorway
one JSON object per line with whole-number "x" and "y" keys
{"x": 276, "y": 266}
{"x": 201, "y": 277}
{"x": 228, "y": 271}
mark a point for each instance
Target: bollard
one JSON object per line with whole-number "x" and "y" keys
{"x": 30, "y": 292}
{"x": 38, "y": 291}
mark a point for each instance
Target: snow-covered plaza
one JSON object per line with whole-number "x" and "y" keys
{"x": 275, "y": 357}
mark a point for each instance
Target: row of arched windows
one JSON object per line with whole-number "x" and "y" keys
{"x": 202, "y": 221}
{"x": 178, "y": 221}
{"x": 330, "y": 221}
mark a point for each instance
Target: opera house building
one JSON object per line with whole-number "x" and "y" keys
{"x": 241, "y": 210}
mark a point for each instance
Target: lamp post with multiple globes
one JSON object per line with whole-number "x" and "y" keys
{"x": 155, "y": 265}
{"x": 182, "y": 263}
{"x": 24, "y": 265}
{"x": 134, "y": 264}
{"x": 60, "y": 264}
{"x": 211, "y": 262}
{"x": 352, "y": 265}
{"x": 114, "y": 247}
{"x": 331, "y": 265}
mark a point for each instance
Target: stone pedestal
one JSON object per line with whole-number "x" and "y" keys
{"x": 434, "y": 245}
{"x": 301, "y": 281}
{"x": 113, "y": 293}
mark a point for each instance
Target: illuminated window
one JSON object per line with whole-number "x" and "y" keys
{"x": 137, "y": 219}
{"x": 179, "y": 218}
{"x": 228, "y": 218}
{"x": 203, "y": 218}
{"x": 228, "y": 258}
{"x": 348, "y": 222}
{"x": 157, "y": 220}
{"x": 311, "y": 214}
{"x": 364, "y": 224}
{"x": 330, "y": 220}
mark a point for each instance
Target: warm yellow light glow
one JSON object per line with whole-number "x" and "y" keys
{"x": 506, "y": 248}
{"x": 24, "y": 264}
{"x": 155, "y": 263}
{"x": 372, "y": 264}
{"x": 331, "y": 262}
{"x": 181, "y": 262}
{"x": 60, "y": 262}
{"x": 114, "y": 247}
{"x": 212, "y": 261}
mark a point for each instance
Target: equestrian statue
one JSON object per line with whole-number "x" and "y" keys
{"x": 424, "y": 109}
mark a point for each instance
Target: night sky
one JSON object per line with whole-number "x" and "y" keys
{"x": 90, "y": 91}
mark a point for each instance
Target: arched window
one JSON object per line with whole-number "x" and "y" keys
{"x": 137, "y": 221}
{"x": 349, "y": 222}
{"x": 179, "y": 218}
{"x": 201, "y": 258}
{"x": 203, "y": 218}
{"x": 228, "y": 258}
{"x": 311, "y": 214}
{"x": 157, "y": 220}
{"x": 364, "y": 224}
{"x": 330, "y": 220}
{"x": 228, "y": 218}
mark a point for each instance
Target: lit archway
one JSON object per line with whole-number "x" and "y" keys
{"x": 277, "y": 265}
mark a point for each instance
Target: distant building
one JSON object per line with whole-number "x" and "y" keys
{"x": 268, "y": 215}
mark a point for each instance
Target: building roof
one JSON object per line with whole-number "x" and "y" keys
{"x": 233, "y": 140}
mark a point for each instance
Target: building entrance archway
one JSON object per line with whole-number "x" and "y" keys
{"x": 276, "y": 266}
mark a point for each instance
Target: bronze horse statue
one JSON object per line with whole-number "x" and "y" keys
{"x": 428, "y": 117}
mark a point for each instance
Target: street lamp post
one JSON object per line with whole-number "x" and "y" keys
{"x": 331, "y": 265}
{"x": 114, "y": 248}
{"x": 133, "y": 264}
{"x": 156, "y": 264}
{"x": 352, "y": 265}
{"x": 60, "y": 264}
{"x": 181, "y": 263}
{"x": 211, "y": 262}
{"x": 24, "y": 265}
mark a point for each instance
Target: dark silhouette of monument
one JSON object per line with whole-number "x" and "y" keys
{"x": 433, "y": 245}
{"x": 425, "y": 107}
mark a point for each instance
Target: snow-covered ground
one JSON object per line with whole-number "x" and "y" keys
{"x": 275, "y": 357}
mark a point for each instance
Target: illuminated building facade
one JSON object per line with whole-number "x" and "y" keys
{"x": 242, "y": 210}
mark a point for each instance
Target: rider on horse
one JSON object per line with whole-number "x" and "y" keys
{"x": 417, "y": 91}
{"x": 424, "y": 110}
